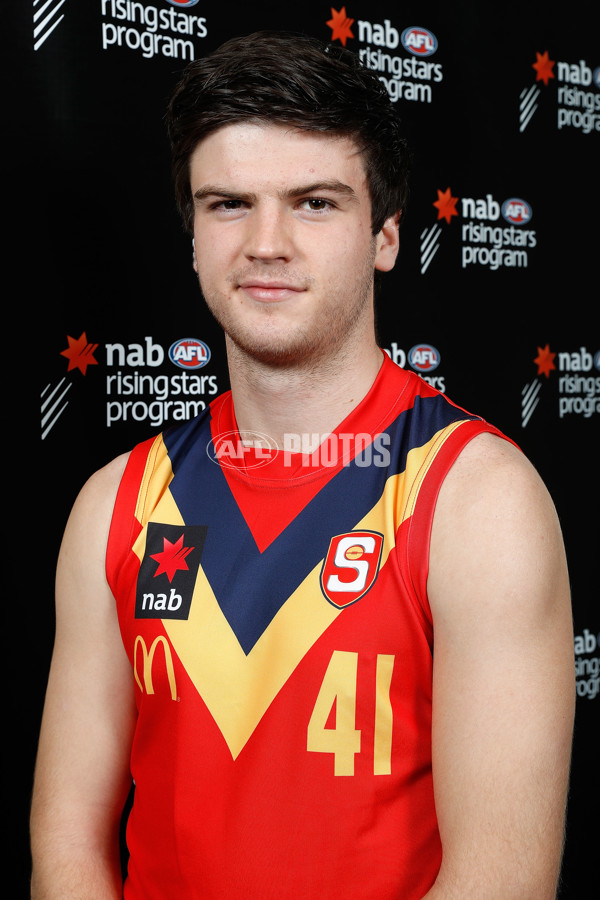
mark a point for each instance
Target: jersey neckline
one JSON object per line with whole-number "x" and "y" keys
{"x": 260, "y": 462}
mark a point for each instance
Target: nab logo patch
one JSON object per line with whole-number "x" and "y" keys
{"x": 351, "y": 566}
{"x": 168, "y": 571}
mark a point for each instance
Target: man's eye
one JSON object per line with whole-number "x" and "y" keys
{"x": 317, "y": 203}
{"x": 228, "y": 204}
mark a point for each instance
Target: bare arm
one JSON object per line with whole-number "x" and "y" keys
{"x": 503, "y": 679}
{"x": 82, "y": 772}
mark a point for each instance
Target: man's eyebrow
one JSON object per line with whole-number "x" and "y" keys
{"x": 334, "y": 186}
{"x": 213, "y": 190}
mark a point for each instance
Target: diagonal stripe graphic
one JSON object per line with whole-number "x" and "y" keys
{"x": 530, "y": 401}
{"x": 527, "y": 106}
{"x": 429, "y": 246}
{"x": 44, "y": 28}
{"x": 51, "y": 415}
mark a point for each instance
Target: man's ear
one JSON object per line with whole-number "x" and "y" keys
{"x": 387, "y": 243}
{"x": 194, "y": 263}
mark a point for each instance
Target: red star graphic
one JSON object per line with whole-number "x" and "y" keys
{"x": 171, "y": 558}
{"x": 79, "y": 353}
{"x": 340, "y": 25}
{"x": 543, "y": 66}
{"x": 545, "y": 361}
{"x": 446, "y": 205}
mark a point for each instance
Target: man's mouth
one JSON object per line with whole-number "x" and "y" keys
{"x": 269, "y": 291}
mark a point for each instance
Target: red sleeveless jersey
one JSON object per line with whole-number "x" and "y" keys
{"x": 274, "y": 609}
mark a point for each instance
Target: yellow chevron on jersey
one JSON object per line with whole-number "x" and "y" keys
{"x": 238, "y": 687}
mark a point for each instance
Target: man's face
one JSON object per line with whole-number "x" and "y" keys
{"x": 284, "y": 249}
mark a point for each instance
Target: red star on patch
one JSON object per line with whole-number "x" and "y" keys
{"x": 340, "y": 25}
{"x": 545, "y": 361}
{"x": 171, "y": 558}
{"x": 79, "y": 353}
{"x": 446, "y": 205}
{"x": 543, "y": 65}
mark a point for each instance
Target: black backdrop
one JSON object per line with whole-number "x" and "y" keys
{"x": 494, "y": 297}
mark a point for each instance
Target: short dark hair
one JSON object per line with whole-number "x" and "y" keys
{"x": 286, "y": 78}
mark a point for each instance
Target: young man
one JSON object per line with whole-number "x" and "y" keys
{"x": 325, "y": 626}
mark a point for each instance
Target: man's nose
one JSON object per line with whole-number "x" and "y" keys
{"x": 269, "y": 233}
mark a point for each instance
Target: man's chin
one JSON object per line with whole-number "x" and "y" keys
{"x": 279, "y": 354}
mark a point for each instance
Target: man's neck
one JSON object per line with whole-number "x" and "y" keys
{"x": 306, "y": 400}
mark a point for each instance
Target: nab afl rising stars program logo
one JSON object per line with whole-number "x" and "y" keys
{"x": 409, "y": 74}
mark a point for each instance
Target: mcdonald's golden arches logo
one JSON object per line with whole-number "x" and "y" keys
{"x": 147, "y": 661}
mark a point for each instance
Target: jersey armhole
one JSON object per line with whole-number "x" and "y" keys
{"x": 124, "y": 526}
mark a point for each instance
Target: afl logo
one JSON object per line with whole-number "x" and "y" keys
{"x": 424, "y": 358}
{"x": 419, "y": 41}
{"x": 183, "y": 2}
{"x": 247, "y": 449}
{"x": 516, "y": 211}
{"x": 189, "y": 353}
{"x": 351, "y": 566}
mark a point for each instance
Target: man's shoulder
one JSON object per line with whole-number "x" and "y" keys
{"x": 95, "y": 501}
{"x": 108, "y": 477}
{"x": 495, "y": 529}
{"x": 490, "y": 461}
{"x": 492, "y": 479}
